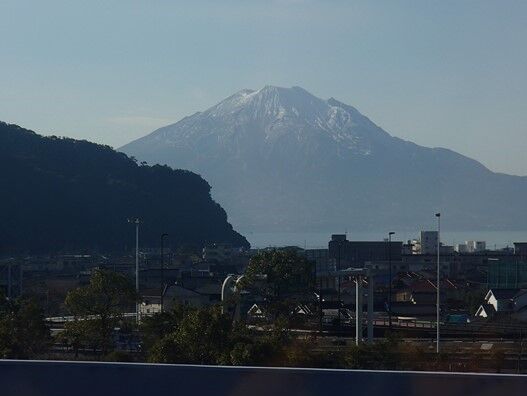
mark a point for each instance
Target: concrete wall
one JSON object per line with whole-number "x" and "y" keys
{"x": 18, "y": 378}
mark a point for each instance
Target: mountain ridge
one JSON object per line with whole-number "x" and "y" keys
{"x": 61, "y": 194}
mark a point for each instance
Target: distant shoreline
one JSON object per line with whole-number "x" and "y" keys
{"x": 314, "y": 240}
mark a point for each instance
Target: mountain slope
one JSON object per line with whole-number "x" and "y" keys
{"x": 69, "y": 194}
{"x": 283, "y": 159}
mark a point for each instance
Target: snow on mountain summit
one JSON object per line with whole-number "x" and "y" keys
{"x": 274, "y": 112}
{"x": 268, "y": 102}
{"x": 282, "y": 158}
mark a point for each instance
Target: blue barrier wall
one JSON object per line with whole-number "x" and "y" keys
{"x": 20, "y": 378}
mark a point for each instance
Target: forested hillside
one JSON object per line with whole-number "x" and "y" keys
{"x": 59, "y": 194}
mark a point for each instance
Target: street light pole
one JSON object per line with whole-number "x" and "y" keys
{"x": 390, "y": 280}
{"x": 438, "y": 215}
{"x": 163, "y": 236}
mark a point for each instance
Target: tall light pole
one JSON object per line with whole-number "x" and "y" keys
{"x": 163, "y": 236}
{"x": 438, "y": 215}
{"x": 339, "y": 278}
{"x": 390, "y": 280}
{"x": 136, "y": 221}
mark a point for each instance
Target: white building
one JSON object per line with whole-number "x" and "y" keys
{"x": 428, "y": 242}
{"x": 511, "y": 302}
{"x": 149, "y": 306}
{"x": 476, "y": 246}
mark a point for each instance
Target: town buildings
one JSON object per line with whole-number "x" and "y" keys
{"x": 504, "y": 305}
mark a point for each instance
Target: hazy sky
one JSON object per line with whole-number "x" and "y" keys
{"x": 439, "y": 73}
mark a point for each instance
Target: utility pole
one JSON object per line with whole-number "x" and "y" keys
{"x": 9, "y": 280}
{"x": 20, "y": 278}
{"x": 321, "y": 311}
{"x": 438, "y": 296}
{"x": 370, "y": 305}
{"x": 390, "y": 280}
{"x": 339, "y": 278}
{"x": 136, "y": 221}
{"x": 163, "y": 236}
{"x": 358, "y": 309}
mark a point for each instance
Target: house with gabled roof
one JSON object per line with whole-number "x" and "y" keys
{"x": 497, "y": 302}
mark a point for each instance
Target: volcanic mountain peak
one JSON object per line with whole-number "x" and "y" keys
{"x": 281, "y": 158}
{"x": 273, "y": 113}
{"x": 270, "y": 102}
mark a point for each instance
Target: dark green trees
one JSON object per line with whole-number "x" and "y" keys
{"x": 23, "y": 331}
{"x": 98, "y": 309}
{"x": 207, "y": 336}
{"x": 60, "y": 193}
{"x": 201, "y": 336}
{"x": 282, "y": 278}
